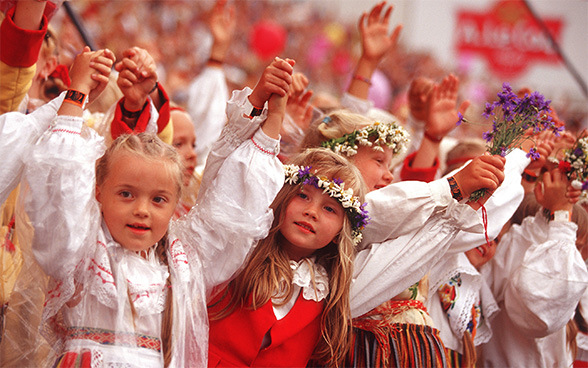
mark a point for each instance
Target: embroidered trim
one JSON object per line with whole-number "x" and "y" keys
{"x": 65, "y": 131}
{"x": 272, "y": 153}
{"x": 109, "y": 337}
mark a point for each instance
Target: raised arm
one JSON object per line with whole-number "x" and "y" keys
{"x": 60, "y": 173}
{"x": 441, "y": 117}
{"x": 376, "y": 43}
{"x": 23, "y": 30}
{"x": 232, "y": 212}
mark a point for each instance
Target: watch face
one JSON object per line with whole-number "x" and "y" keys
{"x": 561, "y": 216}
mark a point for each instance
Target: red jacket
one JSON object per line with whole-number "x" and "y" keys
{"x": 235, "y": 340}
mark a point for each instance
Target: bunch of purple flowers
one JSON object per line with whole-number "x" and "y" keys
{"x": 514, "y": 121}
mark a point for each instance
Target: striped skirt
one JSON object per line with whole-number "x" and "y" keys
{"x": 397, "y": 345}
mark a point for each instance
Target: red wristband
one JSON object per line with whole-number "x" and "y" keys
{"x": 363, "y": 79}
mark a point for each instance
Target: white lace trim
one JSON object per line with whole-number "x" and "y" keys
{"x": 312, "y": 278}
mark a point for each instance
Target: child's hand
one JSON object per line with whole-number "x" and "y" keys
{"x": 484, "y": 172}
{"x": 137, "y": 77}
{"x": 374, "y": 33}
{"x": 276, "y": 78}
{"x": 441, "y": 111}
{"x": 222, "y": 23}
{"x": 81, "y": 72}
{"x": 418, "y": 97}
{"x": 544, "y": 149}
{"x": 102, "y": 63}
{"x": 551, "y": 192}
{"x": 90, "y": 70}
{"x": 298, "y": 107}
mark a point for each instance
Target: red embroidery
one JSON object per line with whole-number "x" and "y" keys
{"x": 178, "y": 256}
{"x": 65, "y": 131}
{"x": 108, "y": 337}
{"x": 97, "y": 269}
{"x": 261, "y": 148}
{"x": 53, "y": 293}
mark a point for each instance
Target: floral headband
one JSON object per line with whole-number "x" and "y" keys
{"x": 355, "y": 210}
{"x": 389, "y": 134}
{"x": 575, "y": 163}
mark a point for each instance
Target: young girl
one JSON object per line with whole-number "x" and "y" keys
{"x": 392, "y": 314}
{"x": 291, "y": 301}
{"x": 127, "y": 287}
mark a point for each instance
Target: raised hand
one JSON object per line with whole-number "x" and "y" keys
{"x": 222, "y": 23}
{"x": 89, "y": 75}
{"x": 276, "y": 79}
{"x": 442, "y": 111}
{"x": 298, "y": 107}
{"x": 484, "y": 172}
{"x": 373, "y": 28}
{"x": 551, "y": 191}
{"x": 137, "y": 77}
{"x": 102, "y": 62}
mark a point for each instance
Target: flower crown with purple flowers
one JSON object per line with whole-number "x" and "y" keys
{"x": 355, "y": 210}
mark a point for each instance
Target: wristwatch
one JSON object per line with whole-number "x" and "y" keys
{"x": 561, "y": 216}
{"x": 558, "y": 216}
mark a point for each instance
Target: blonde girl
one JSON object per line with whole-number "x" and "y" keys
{"x": 127, "y": 286}
{"x": 291, "y": 301}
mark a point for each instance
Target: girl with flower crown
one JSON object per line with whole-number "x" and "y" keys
{"x": 291, "y": 301}
{"x": 388, "y": 293}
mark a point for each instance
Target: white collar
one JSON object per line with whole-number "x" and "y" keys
{"x": 311, "y": 277}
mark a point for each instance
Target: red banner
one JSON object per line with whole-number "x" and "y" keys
{"x": 508, "y": 37}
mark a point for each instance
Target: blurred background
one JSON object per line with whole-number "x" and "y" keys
{"x": 539, "y": 44}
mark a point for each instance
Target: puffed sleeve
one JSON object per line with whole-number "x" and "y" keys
{"x": 17, "y": 133}
{"x": 59, "y": 198}
{"x": 232, "y": 212}
{"x": 240, "y": 127}
{"x": 384, "y": 270}
{"x": 544, "y": 290}
{"x": 401, "y": 208}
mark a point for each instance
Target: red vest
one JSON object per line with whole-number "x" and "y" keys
{"x": 235, "y": 340}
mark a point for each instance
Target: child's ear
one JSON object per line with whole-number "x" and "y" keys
{"x": 48, "y": 67}
{"x": 98, "y": 193}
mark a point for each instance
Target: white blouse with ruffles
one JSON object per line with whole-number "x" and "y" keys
{"x": 93, "y": 277}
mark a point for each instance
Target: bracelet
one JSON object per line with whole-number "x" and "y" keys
{"x": 433, "y": 138}
{"x": 256, "y": 111}
{"x": 529, "y": 176}
{"x": 131, "y": 114}
{"x": 363, "y": 79}
{"x": 75, "y": 97}
{"x": 154, "y": 88}
{"x": 455, "y": 191}
{"x": 215, "y": 61}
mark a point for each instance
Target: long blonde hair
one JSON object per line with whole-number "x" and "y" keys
{"x": 268, "y": 270}
{"x": 149, "y": 147}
